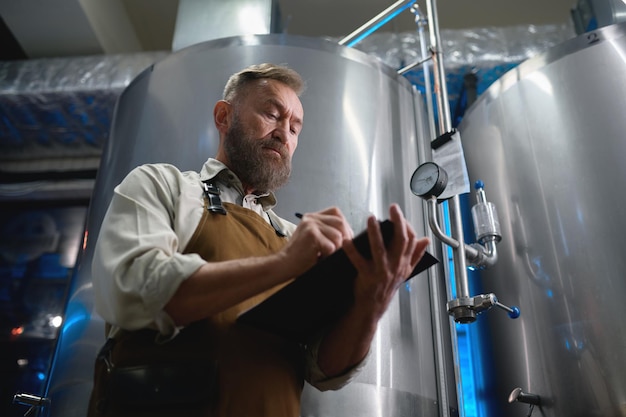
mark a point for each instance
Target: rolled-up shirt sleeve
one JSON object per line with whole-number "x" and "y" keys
{"x": 137, "y": 264}
{"x": 317, "y": 378}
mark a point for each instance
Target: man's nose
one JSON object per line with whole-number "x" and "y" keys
{"x": 281, "y": 131}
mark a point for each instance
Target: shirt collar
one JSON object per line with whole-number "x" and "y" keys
{"x": 213, "y": 168}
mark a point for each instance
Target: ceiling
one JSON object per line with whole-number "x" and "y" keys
{"x": 57, "y": 28}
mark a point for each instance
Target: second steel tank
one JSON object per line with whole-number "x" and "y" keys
{"x": 549, "y": 141}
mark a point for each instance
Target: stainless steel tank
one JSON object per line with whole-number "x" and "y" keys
{"x": 357, "y": 151}
{"x": 549, "y": 141}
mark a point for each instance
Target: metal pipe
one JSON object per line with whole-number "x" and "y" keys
{"x": 409, "y": 67}
{"x": 438, "y": 290}
{"x": 421, "y": 24}
{"x": 460, "y": 265}
{"x": 376, "y": 22}
{"x": 445, "y": 125}
{"x": 488, "y": 254}
{"x": 434, "y": 225}
{"x": 441, "y": 90}
{"x": 479, "y": 255}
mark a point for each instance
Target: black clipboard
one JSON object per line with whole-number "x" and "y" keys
{"x": 320, "y": 296}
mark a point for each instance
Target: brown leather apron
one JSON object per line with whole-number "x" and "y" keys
{"x": 258, "y": 374}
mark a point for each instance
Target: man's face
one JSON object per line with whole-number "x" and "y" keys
{"x": 263, "y": 135}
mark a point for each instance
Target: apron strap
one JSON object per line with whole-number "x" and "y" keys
{"x": 212, "y": 193}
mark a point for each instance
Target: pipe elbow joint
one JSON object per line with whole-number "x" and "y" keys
{"x": 483, "y": 257}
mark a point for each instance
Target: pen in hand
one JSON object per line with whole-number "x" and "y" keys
{"x": 299, "y": 215}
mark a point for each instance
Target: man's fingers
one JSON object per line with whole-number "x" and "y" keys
{"x": 332, "y": 217}
{"x": 325, "y": 230}
{"x": 353, "y": 255}
{"x": 420, "y": 250}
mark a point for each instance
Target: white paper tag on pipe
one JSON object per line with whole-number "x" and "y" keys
{"x": 450, "y": 157}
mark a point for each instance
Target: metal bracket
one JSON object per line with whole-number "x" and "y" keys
{"x": 33, "y": 401}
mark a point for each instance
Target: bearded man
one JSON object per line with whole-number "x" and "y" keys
{"x": 181, "y": 254}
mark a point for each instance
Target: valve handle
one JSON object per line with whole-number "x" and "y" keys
{"x": 524, "y": 397}
{"x": 513, "y": 311}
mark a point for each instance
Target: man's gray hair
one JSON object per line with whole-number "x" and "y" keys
{"x": 238, "y": 81}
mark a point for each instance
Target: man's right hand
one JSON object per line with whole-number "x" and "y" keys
{"x": 318, "y": 235}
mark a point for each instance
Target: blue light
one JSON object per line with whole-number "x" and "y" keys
{"x": 466, "y": 365}
{"x": 76, "y": 318}
{"x": 41, "y": 376}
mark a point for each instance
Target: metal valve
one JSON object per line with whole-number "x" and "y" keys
{"x": 513, "y": 311}
{"x": 485, "y": 217}
{"x": 487, "y": 230}
{"x": 465, "y": 309}
{"x": 524, "y": 397}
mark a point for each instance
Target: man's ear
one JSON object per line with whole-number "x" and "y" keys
{"x": 221, "y": 115}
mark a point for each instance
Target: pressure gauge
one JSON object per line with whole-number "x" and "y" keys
{"x": 429, "y": 180}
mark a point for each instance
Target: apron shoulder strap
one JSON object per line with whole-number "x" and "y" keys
{"x": 214, "y": 204}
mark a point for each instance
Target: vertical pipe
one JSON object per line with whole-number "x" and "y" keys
{"x": 445, "y": 125}
{"x": 421, "y": 22}
{"x": 436, "y": 289}
{"x": 454, "y": 205}
{"x": 445, "y": 120}
{"x": 460, "y": 265}
{"x": 436, "y": 282}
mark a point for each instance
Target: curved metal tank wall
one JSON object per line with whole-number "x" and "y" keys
{"x": 549, "y": 141}
{"x": 357, "y": 151}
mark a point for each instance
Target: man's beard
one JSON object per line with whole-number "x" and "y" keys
{"x": 246, "y": 157}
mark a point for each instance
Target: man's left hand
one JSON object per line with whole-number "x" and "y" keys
{"x": 379, "y": 278}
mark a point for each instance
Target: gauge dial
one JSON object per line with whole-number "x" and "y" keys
{"x": 429, "y": 180}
